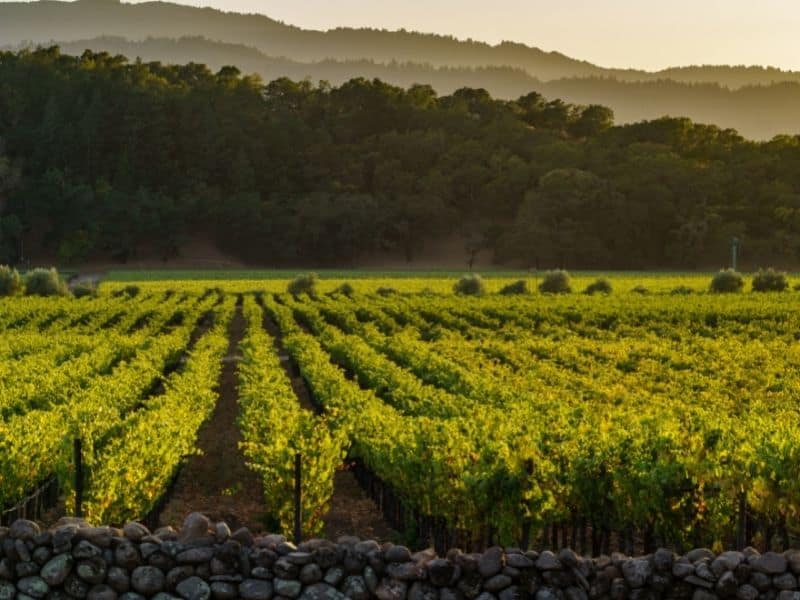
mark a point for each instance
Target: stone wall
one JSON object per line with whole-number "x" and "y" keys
{"x": 205, "y": 560}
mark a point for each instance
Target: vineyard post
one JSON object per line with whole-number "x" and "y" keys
{"x": 78, "y": 453}
{"x": 298, "y": 498}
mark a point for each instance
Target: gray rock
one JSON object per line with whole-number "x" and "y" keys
{"x": 389, "y": 589}
{"x": 699, "y": 554}
{"x": 405, "y": 571}
{"x": 6, "y": 569}
{"x": 119, "y": 579}
{"x": 285, "y": 569}
{"x": 699, "y": 582}
{"x": 547, "y": 593}
{"x": 794, "y": 561}
{"x": 334, "y": 576}
{"x": 127, "y": 556}
{"x": 491, "y": 563}
{"x": 662, "y": 560}
{"x": 450, "y": 594}
{"x": 514, "y": 593}
{"x": 35, "y": 587}
{"x": 355, "y": 587}
{"x": 41, "y": 555}
{"x": 75, "y": 587}
{"x": 193, "y": 588}
{"x": 784, "y": 581}
{"x": 422, "y": 591}
{"x": 7, "y": 590}
{"x": 261, "y": 573}
{"x": 195, "y": 528}
{"x": 682, "y": 569}
{"x": 547, "y": 561}
{"x": 701, "y": 594}
{"x": 99, "y": 536}
{"x": 568, "y": 557}
{"x": 224, "y": 591}
{"x": 194, "y": 556}
{"x": 440, "y": 572}
{"x": 636, "y": 572}
{"x": 310, "y": 574}
{"x": 726, "y": 585}
{"x": 618, "y": 590}
{"x": 288, "y": 588}
{"x": 26, "y": 569}
{"x": 575, "y": 593}
{"x": 760, "y": 581}
{"x": 770, "y": 563}
{"x": 486, "y": 596}
{"x": 255, "y": 589}
{"x": 519, "y": 561}
{"x": 244, "y": 537}
{"x": 497, "y": 583}
{"x": 470, "y": 585}
{"x": 285, "y": 548}
{"x": 222, "y": 532}
{"x": 86, "y": 549}
{"x": 321, "y": 591}
{"x": 22, "y": 529}
{"x": 148, "y": 580}
{"x": 102, "y": 592}
{"x": 788, "y": 595}
{"x": 92, "y": 570}
{"x": 299, "y": 558}
{"x": 135, "y": 531}
{"x": 164, "y": 596}
{"x": 178, "y": 574}
{"x": 702, "y": 570}
{"x": 131, "y": 596}
{"x": 371, "y": 579}
{"x": 22, "y": 551}
{"x": 746, "y": 592}
{"x": 57, "y": 568}
{"x": 398, "y": 554}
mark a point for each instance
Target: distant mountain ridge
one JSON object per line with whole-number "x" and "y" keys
{"x": 759, "y": 102}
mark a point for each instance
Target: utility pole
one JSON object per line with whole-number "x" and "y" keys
{"x": 734, "y": 253}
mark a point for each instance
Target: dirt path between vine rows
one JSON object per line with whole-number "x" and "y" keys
{"x": 217, "y": 482}
{"x": 351, "y": 512}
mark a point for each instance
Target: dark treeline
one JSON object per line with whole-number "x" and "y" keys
{"x": 104, "y": 157}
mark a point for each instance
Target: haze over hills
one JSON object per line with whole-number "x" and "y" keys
{"x": 759, "y": 102}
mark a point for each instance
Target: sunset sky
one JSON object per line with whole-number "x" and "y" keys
{"x": 621, "y": 33}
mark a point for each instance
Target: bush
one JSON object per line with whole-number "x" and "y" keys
{"x": 131, "y": 291}
{"x": 345, "y": 289}
{"x": 386, "y": 291}
{"x": 599, "y": 286}
{"x": 45, "y": 282}
{"x": 727, "y": 281}
{"x": 556, "y": 282}
{"x": 84, "y": 290}
{"x": 304, "y": 284}
{"x": 641, "y": 290}
{"x": 10, "y": 281}
{"x": 517, "y": 288}
{"x": 770, "y": 281}
{"x": 682, "y": 290}
{"x": 470, "y": 285}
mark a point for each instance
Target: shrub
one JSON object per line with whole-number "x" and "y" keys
{"x": 727, "y": 281}
{"x": 599, "y": 286}
{"x": 345, "y": 289}
{"x": 386, "y": 291}
{"x": 131, "y": 291}
{"x": 45, "y": 282}
{"x": 641, "y": 290}
{"x": 681, "y": 290}
{"x": 517, "y": 288}
{"x": 470, "y": 285}
{"x": 770, "y": 281}
{"x": 304, "y": 284}
{"x": 84, "y": 290}
{"x": 10, "y": 281}
{"x": 556, "y": 282}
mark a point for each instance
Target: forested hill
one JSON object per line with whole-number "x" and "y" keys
{"x": 757, "y": 112}
{"x": 100, "y": 156}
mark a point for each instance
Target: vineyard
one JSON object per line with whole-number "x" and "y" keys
{"x": 623, "y": 421}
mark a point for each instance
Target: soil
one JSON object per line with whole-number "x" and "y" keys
{"x": 217, "y": 482}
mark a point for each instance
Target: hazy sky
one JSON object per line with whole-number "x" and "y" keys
{"x": 647, "y": 34}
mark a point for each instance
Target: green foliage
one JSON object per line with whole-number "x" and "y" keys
{"x": 131, "y": 291}
{"x": 727, "y": 281}
{"x": 641, "y": 290}
{"x": 45, "y": 282}
{"x": 304, "y": 284}
{"x": 681, "y": 290}
{"x": 470, "y": 285}
{"x": 599, "y": 286}
{"x": 519, "y": 287}
{"x": 770, "y": 280}
{"x": 84, "y": 290}
{"x": 556, "y": 282}
{"x": 386, "y": 291}
{"x": 10, "y": 281}
{"x": 346, "y": 289}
